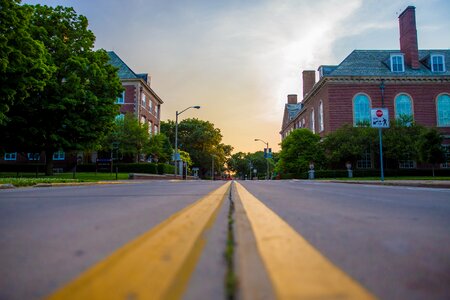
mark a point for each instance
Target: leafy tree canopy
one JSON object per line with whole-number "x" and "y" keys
{"x": 23, "y": 66}
{"x": 76, "y": 106}
{"x": 201, "y": 140}
{"x": 299, "y": 149}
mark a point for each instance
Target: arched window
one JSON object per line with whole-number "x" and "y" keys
{"x": 321, "y": 127}
{"x": 443, "y": 110}
{"x": 361, "y": 110}
{"x": 404, "y": 108}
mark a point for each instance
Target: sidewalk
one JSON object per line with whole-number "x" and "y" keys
{"x": 416, "y": 183}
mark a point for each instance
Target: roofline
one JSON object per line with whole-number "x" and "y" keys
{"x": 142, "y": 81}
{"x": 326, "y": 79}
{"x": 125, "y": 65}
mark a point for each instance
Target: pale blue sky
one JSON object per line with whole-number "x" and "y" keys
{"x": 240, "y": 59}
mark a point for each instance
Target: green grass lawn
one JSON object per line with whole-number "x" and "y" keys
{"x": 29, "y": 179}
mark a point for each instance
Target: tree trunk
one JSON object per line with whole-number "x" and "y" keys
{"x": 433, "y": 169}
{"x": 48, "y": 163}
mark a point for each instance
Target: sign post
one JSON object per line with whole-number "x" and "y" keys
{"x": 380, "y": 119}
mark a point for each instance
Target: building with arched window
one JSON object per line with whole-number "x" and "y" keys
{"x": 413, "y": 84}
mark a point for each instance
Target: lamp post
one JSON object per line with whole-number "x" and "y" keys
{"x": 379, "y": 132}
{"x": 267, "y": 158}
{"x": 212, "y": 168}
{"x": 176, "y": 158}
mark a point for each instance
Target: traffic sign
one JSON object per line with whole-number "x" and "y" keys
{"x": 379, "y": 118}
{"x": 267, "y": 152}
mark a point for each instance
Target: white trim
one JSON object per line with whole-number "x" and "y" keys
{"x": 401, "y": 56}
{"x": 432, "y": 64}
{"x": 321, "y": 122}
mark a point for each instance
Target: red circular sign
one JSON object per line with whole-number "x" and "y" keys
{"x": 379, "y": 113}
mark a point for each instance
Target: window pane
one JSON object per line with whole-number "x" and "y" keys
{"x": 443, "y": 110}
{"x": 361, "y": 110}
{"x": 403, "y": 107}
{"x": 437, "y": 63}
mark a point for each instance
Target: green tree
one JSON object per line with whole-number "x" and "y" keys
{"x": 299, "y": 149}
{"x": 348, "y": 143}
{"x": 400, "y": 140}
{"x": 23, "y": 68}
{"x": 430, "y": 147}
{"x": 132, "y": 138}
{"x": 76, "y": 108}
{"x": 160, "y": 148}
{"x": 201, "y": 140}
{"x": 237, "y": 164}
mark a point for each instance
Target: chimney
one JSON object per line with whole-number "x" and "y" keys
{"x": 408, "y": 37}
{"x": 309, "y": 79}
{"x": 292, "y": 99}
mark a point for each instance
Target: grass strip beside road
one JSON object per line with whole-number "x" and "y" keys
{"x": 296, "y": 269}
{"x": 156, "y": 265}
{"x": 30, "y": 179}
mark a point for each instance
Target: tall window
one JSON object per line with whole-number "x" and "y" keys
{"x": 121, "y": 99}
{"x": 33, "y": 156}
{"x": 443, "y": 110}
{"x": 437, "y": 63}
{"x": 144, "y": 100}
{"x": 321, "y": 127}
{"x": 361, "y": 110}
{"x": 397, "y": 64}
{"x": 10, "y": 156}
{"x": 403, "y": 108}
{"x": 365, "y": 162}
{"x": 120, "y": 117}
{"x": 60, "y": 155}
{"x": 311, "y": 122}
{"x": 446, "y": 163}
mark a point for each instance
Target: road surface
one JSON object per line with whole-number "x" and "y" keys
{"x": 385, "y": 242}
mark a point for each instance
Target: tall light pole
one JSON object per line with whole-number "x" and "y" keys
{"x": 176, "y": 158}
{"x": 267, "y": 158}
{"x": 379, "y": 131}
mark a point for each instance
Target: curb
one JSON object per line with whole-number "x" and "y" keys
{"x": 7, "y": 186}
{"x": 443, "y": 185}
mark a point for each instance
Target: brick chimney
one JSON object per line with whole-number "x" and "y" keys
{"x": 408, "y": 37}
{"x": 292, "y": 99}
{"x": 309, "y": 79}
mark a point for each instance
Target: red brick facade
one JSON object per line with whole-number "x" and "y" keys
{"x": 363, "y": 72}
{"x": 337, "y": 98}
{"x": 148, "y": 111}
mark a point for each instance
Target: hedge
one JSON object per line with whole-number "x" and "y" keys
{"x": 147, "y": 168}
{"x": 367, "y": 173}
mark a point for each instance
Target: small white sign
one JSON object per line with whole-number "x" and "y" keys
{"x": 379, "y": 118}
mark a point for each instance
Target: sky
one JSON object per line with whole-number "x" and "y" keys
{"x": 239, "y": 60}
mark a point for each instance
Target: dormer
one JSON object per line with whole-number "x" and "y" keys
{"x": 397, "y": 62}
{"x": 437, "y": 63}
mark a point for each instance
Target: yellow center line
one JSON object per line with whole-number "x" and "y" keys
{"x": 157, "y": 265}
{"x": 297, "y": 270}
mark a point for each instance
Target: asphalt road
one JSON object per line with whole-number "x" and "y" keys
{"x": 394, "y": 240}
{"x": 50, "y": 235}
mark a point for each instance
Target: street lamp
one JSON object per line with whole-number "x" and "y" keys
{"x": 176, "y": 158}
{"x": 267, "y": 158}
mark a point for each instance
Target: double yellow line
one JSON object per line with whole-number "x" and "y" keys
{"x": 158, "y": 264}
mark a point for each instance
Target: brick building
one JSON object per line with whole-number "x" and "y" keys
{"x": 138, "y": 97}
{"x": 412, "y": 82}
